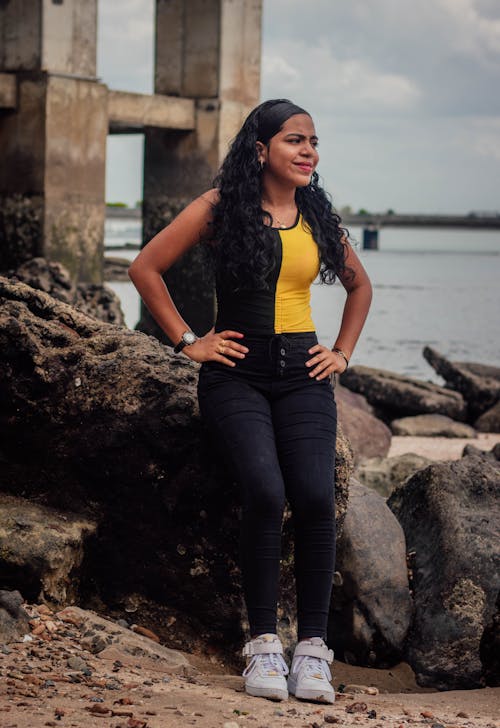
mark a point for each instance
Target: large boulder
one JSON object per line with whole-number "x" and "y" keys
{"x": 372, "y": 606}
{"x": 394, "y": 395}
{"x": 431, "y": 426}
{"x": 369, "y": 436}
{"x": 478, "y": 383}
{"x": 41, "y": 549}
{"x": 14, "y": 621}
{"x": 103, "y": 422}
{"x": 490, "y": 648}
{"x": 450, "y": 513}
{"x": 53, "y": 278}
{"x": 385, "y": 474}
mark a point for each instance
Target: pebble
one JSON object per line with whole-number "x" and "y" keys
{"x": 230, "y": 724}
{"x": 76, "y": 663}
{"x": 145, "y": 632}
{"x": 356, "y": 708}
{"x": 353, "y": 688}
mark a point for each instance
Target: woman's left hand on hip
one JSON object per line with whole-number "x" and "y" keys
{"x": 325, "y": 362}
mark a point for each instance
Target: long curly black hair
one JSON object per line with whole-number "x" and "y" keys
{"x": 241, "y": 243}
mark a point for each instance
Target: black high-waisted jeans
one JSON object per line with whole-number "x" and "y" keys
{"x": 277, "y": 426}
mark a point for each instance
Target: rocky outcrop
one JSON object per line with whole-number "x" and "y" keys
{"x": 394, "y": 395}
{"x": 41, "y": 549}
{"x": 479, "y": 384}
{"x": 14, "y": 621}
{"x": 489, "y": 421}
{"x": 372, "y": 607}
{"x": 450, "y": 513}
{"x": 385, "y": 474}
{"x": 431, "y": 426}
{"x": 54, "y": 278}
{"x": 368, "y": 435}
{"x": 489, "y": 648}
{"x": 103, "y": 422}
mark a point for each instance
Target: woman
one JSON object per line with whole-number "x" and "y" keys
{"x": 265, "y": 386}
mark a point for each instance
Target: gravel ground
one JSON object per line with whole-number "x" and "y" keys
{"x": 49, "y": 678}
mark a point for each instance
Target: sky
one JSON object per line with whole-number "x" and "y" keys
{"x": 405, "y": 95}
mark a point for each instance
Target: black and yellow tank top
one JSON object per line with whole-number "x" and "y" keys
{"x": 285, "y": 306}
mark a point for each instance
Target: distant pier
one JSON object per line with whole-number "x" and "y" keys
{"x": 372, "y": 222}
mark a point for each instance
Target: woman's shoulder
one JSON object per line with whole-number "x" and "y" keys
{"x": 211, "y": 196}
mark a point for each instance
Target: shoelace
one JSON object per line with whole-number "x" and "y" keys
{"x": 314, "y": 666}
{"x": 272, "y": 663}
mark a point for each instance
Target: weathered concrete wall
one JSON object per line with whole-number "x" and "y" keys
{"x": 54, "y": 153}
{"x": 8, "y": 92}
{"x": 43, "y": 35}
{"x": 187, "y": 47}
{"x": 75, "y": 170}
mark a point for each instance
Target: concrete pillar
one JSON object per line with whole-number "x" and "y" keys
{"x": 54, "y": 142}
{"x": 208, "y": 50}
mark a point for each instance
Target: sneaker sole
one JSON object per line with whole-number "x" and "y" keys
{"x": 310, "y": 694}
{"x": 315, "y": 695}
{"x": 267, "y": 693}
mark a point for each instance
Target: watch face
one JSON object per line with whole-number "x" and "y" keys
{"x": 189, "y": 337}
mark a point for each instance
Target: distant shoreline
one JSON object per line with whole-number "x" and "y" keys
{"x": 375, "y": 219}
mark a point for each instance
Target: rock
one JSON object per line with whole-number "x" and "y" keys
{"x": 450, "y": 512}
{"x": 53, "y": 278}
{"x": 478, "y": 452}
{"x": 123, "y": 645}
{"x": 14, "y": 622}
{"x": 394, "y": 395}
{"x": 489, "y": 421}
{"x": 371, "y": 611}
{"x": 385, "y": 474}
{"x": 368, "y": 435}
{"x": 40, "y": 547}
{"x": 77, "y": 663}
{"x": 110, "y": 420}
{"x": 116, "y": 269}
{"x": 489, "y": 648}
{"x": 354, "y": 688}
{"x": 431, "y": 426}
{"x": 478, "y": 383}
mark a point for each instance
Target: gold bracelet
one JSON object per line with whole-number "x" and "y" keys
{"x": 339, "y": 351}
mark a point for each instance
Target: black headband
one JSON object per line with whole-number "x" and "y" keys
{"x": 271, "y": 120}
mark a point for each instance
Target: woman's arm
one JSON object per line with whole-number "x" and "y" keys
{"x": 359, "y": 297}
{"x": 357, "y": 305}
{"x": 183, "y": 233}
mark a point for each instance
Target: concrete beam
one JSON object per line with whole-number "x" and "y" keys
{"x": 8, "y": 91}
{"x": 130, "y": 113}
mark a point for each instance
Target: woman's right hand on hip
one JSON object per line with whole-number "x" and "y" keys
{"x": 217, "y": 347}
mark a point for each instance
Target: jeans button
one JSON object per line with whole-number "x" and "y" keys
{"x": 282, "y": 362}
{"x": 282, "y": 352}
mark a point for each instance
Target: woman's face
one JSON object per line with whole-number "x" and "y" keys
{"x": 291, "y": 155}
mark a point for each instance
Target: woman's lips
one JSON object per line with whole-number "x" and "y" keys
{"x": 304, "y": 167}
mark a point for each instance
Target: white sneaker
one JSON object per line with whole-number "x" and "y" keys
{"x": 265, "y": 673}
{"x": 310, "y": 675}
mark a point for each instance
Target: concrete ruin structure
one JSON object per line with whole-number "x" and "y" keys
{"x": 55, "y": 115}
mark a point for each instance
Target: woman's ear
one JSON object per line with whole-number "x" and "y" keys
{"x": 261, "y": 152}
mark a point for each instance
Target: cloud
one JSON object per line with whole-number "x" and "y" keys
{"x": 345, "y": 86}
{"x": 404, "y": 94}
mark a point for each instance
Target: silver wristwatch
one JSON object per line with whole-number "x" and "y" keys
{"x": 188, "y": 337}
